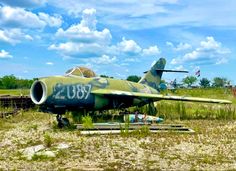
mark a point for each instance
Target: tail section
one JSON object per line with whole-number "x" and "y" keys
{"x": 152, "y": 77}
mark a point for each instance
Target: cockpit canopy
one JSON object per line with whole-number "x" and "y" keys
{"x": 81, "y": 72}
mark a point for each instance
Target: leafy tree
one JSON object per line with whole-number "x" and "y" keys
{"x": 24, "y": 83}
{"x": 1, "y": 86}
{"x": 9, "y": 82}
{"x": 105, "y": 76}
{"x": 133, "y": 78}
{"x": 204, "y": 82}
{"x": 219, "y": 82}
{"x": 189, "y": 80}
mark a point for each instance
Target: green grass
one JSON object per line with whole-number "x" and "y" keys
{"x": 217, "y": 93}
{"x": 182, "y": 110}
{"x": 48, "y": 140}
{"x": 174, "y": 110}
{"x": 87, "y": 122}
{"x": 14, "y": 92}
{"x": 187, "y": 110}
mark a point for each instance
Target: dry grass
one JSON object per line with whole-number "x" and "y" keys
{"x": 212, "y": 147}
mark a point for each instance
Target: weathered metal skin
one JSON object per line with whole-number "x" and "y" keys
{"x": 75, "y": 92}
{"x": 153, "y": 77}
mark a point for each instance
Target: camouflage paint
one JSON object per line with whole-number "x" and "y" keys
{"x": 72, "y": 92}
{"x": 75, "y": 92}
{"x": 153, "y": 77}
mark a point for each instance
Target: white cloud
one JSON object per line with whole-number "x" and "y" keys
{"x": 221, "y": 61}
{"x": 104, "y": 59}
{"x": 84, "y": 34}
{"x": 209, "y": 52}
{"x": 4, "y": 54}
{"x": 180, "y": 67}
{"x": 115, "y": 7}
{"x": 151, "y": 51}
{"x": 49, "y": 63}
{"x": 180, "y": 47}
{"x": 14, "y": 36}
{"x": 183, "y": 46}
{"x": 89, "y": 18}
{"x": 83, "y": 40}
{"x": 52, "y": 21}
{"x": 85, "y": 31}
{"x": 142, "y": 14}
{"x": 79, "y": 50}
{"x": 129, "y": 46}
{"x": 169, "y": 44}
{"x": 210, "y": 43}
{"x": 20, "y": 18}
{"x": 24, "y": 3}
{"x": 131, "y": 60}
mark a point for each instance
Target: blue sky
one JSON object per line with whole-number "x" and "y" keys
{"x": 117, "y": 38}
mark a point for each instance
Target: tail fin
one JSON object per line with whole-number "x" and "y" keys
{"x": 152, "y": 77}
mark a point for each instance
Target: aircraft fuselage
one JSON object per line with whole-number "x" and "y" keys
{"x": 67, "y": 92}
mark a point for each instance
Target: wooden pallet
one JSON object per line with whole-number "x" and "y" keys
{"x": 115, "y": 128}
{"x": 23, "y": 102}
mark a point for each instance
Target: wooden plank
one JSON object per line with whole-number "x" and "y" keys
{"x": 134, "y": 126}
{"x": 99, "y": 132}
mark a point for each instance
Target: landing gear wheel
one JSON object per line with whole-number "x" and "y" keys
{"x": 62, "y": 122}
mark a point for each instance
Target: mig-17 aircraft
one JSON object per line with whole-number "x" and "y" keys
{"x": 81, "y": 89}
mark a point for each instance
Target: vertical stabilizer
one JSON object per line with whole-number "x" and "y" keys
{"x": 152, "y": 77}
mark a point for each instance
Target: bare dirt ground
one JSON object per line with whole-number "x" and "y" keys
{"x": 29, "y": 142}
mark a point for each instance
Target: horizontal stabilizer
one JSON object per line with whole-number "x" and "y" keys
{"x": 168, "y": 70}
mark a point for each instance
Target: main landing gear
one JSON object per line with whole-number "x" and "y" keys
{"x": 62, "y": 122}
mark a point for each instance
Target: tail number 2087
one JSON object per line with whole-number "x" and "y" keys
{"x": 75, "y": 91}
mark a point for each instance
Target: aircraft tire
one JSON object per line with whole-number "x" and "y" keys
{"x": 64, "y": 122}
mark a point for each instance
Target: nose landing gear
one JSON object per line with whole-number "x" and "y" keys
{"x": 62, "y": 122}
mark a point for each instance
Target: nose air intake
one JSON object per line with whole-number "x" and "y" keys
{"x": 38, "y": 92}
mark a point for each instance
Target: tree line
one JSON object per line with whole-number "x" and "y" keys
{"x": 12, "y": 82}
{"x": 191, "y": 80}
{"x": 205, "y": 82}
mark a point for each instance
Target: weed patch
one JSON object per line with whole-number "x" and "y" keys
{"x": 48, "y": 140}
{"x": 87, "y": 122}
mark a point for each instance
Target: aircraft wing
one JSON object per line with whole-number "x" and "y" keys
{"x": 157, "y": 97}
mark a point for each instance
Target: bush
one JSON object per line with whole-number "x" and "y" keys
{"x": 87, "y": 122}
{"x": 48, "y": 140}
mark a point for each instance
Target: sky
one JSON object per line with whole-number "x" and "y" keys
{"x": 118, "y": 38}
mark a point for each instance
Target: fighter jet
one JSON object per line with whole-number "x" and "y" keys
{"x": 81, "y": 89}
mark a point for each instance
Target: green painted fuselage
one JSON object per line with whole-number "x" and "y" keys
{"x": 75, "y": 91}
{"x": 70, "y": 92}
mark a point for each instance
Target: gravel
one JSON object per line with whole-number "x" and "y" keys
{"x": 212, "y": 147}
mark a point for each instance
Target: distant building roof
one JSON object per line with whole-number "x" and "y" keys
{"x": 81, "y": 72}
